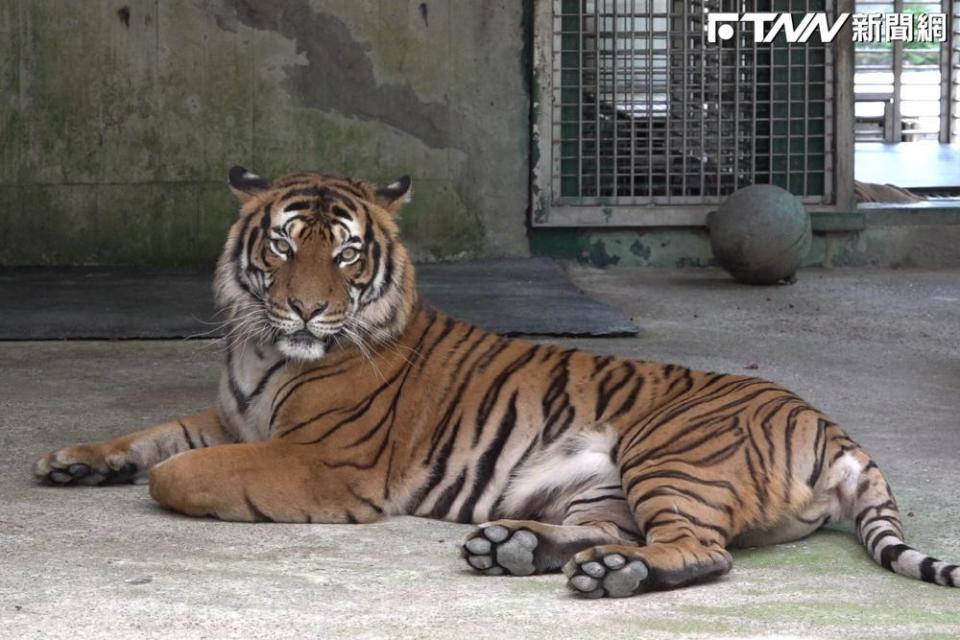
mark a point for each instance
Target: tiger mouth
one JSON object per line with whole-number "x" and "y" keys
{"x": 303, "y": 338}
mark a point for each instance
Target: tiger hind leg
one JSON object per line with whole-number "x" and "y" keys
{"x": 685, "y": 514}
{"x": 526, "y": 547}
{"x": 618, "y": 571}
{"x": 594, "y": 516}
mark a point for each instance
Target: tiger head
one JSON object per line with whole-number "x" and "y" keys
{"x": 314, "y": 262}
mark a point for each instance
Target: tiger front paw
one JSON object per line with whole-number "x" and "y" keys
{"x": 89, "y": 464}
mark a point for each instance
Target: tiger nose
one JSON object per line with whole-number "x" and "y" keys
{"x": 305, "y": 311}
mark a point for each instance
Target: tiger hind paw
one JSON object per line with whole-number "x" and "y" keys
{"x": 495, "y": 549}
{"x": 611, "y": 575}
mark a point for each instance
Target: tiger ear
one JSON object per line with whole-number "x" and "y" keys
{"x": 245, "y": 184}
{"x": 396, "y": 194}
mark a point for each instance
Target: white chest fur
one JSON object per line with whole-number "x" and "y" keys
{"x": 244, "y": 399}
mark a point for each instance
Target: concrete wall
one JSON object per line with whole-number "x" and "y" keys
{"x": 118, "y": 120}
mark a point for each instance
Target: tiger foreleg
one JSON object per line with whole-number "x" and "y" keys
{"x": 130, "y": 457}
{"x": 265, "y": 482}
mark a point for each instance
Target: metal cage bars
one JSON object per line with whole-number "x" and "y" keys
{"x": 642, "y": 121}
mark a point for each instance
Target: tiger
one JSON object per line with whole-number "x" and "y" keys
{"x": 345, "y": 397}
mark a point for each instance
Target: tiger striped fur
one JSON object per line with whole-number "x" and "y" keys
{"x": 345, "y": 398}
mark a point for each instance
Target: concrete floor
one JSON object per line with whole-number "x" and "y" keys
{"x": 878, "y": 350}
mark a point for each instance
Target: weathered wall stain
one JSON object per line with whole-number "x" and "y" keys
{"x": 339, "y": 75}
{"x": 120, "y": 119}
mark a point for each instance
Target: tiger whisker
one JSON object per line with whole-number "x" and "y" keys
{"x": 390, "y": 346}
{"x": 357, "y": 339}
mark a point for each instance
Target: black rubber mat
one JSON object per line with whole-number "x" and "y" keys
{"x": 514, "y": 296}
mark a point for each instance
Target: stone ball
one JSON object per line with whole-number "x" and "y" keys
{"x": 760, "y": 234}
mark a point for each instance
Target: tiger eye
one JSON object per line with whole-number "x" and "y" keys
{"x": 282, "y": 245}
{"x": 348, "y": 254}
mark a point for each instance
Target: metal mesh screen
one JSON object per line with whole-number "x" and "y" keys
{"x": 647, "y": 111}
